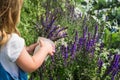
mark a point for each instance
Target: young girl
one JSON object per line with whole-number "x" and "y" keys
{"x": 15, "y": 60}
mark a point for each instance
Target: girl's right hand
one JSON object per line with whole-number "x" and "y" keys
{"x": 47, "y": 45}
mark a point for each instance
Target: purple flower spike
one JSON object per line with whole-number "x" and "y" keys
{"x": 73, "y": 50}
{"x": 114, "y": 66}
{"x": 88, "y": 46}
{"x": 113, "y": 74}
{"x": 66, "y": 51}
{"x": 106, "y": 18}
{"x": 50, "y": 78}
{"x": 62, "y": 50}
{"x": 65, "y": 55}
{"x": 80, "y": 43}
{"x": 52, "y": 21}
{"x": 52, "y": 30}
{"x": 76, "y": 37}
{"x": 101, "y": 46}
{"x": 100, "y": 63}
{"x": 60, "y": 30}
{"x": 85, "y": 30}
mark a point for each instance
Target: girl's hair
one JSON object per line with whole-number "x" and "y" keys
{"x": 9, "y": 17}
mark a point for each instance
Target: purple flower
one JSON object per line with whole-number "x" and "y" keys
{"x": 89, "y": 36}
{"x": 100, "y": 63}
{"x": 73, "y": 50}
{"x": 62, "y": 50}
{"x": 54, "y": 28}
{"x": 60, "y": 30}
{"x": 66, "y": 52}
{"x": 115, "y": 71}
{"x": 76, "y": 37}
{"x": 114, "y": 66}
{"x": 65, "y": 55}
{"x": 106, "y": 18}
{"x": 80, "y": 43}
{"x": 52, "y": 21}
{"x": 50, "y": 78}
{"x": 101, "y": 46}
{"x": 85, "y": 30}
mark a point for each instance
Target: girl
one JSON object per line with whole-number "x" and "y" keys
{"x": 15, "y": 60}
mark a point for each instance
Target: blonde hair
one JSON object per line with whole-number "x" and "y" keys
{"x": 9, "y": 17}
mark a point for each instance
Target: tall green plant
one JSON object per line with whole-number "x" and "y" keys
{"x": 29, "y": 14}
{"x": 112, "y": 40}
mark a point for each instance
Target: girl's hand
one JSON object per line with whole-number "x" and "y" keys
{"x": 31, "y": 48}
{"x": 47, "y": 45}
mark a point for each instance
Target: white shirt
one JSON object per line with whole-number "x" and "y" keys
{"x": 10, "y": 53}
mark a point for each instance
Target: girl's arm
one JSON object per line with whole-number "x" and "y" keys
{"x": 30, "y": 63}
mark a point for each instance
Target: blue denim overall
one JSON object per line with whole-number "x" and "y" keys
{"x": 4, "y": 75}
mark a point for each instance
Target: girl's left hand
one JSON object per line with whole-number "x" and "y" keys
{"x": 31, "y": 48}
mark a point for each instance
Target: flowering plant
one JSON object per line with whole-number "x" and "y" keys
{"x": 80, "y": 57}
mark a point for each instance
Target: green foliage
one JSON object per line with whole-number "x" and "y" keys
{"x": 29, "y": 14}
{"x": 112, "y": 40}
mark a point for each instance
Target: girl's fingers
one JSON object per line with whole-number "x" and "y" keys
{"x": 41, "y": 42}
{"x": 36, "y": 44}
{"x": 54, "y": 49}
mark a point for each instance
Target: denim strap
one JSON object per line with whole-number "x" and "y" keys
{"x": 22, "y": 75}
{"x": 4, "y": 75}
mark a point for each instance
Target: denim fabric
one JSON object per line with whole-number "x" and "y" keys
{"x": 22, "y": 75}
{"x": 4, "y": 75}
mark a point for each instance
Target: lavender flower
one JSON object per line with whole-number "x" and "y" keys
{"x": 50, "y": 78}
{"x": 100, "y": 63}
{"x": 65, "y": 56}
{"x": 54, "y": 28}
{"x": 88, "y": 46}
{"x": 52, "y": 31}
{"x": 76, "y": 37}
{"x": 89, "y": 36}
{"x": 60, "y": 30}
{"x": 101, "y": 46}
{"x": 62, "y": 50}
{"x": 113, "y": 68}
{"x": 66, "y": 52}
{"x": 106, "y": 19}
{"x": 114, "y": 72}
{"x": 73, "y": 50}
{"x": 52, "y": 21}
{"x": 80, "y": 43}
{"x": 85, "y": 30}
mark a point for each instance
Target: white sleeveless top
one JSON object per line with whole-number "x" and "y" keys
{"x": 10, "y": 52}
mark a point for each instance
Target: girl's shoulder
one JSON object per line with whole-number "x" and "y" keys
{"x": 14, "y": 36}
{"x": 15, "y": 39}
{"x": 14, "y": 46}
